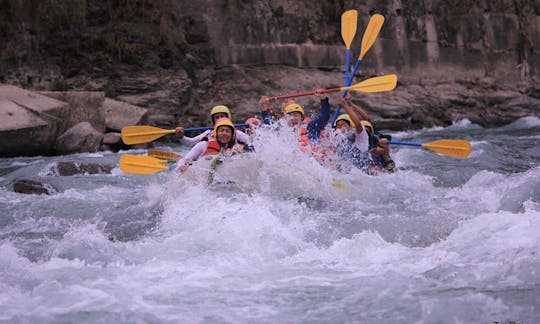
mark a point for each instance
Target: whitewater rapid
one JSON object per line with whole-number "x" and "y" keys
{"x": 443, "y": 240}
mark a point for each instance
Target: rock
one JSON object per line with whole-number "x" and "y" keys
{"x": 163, "y": 121}
{"x": 119, "y": 114}
{"x": 84, "y": 106}
{"x": 29, "y": 122}
{"x": 72, "y": 168}
{"x": 80, "y": 138}
{"x": 27, "y": 186}
{"x": 113, "y": 142}
{"x": 112, "y": 139}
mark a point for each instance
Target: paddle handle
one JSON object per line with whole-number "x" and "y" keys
{"x": 405, "y": 143}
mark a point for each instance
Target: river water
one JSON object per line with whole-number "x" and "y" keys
{"x": 443, "y": 240}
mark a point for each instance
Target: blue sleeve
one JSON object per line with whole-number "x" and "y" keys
{"x": 266, "y": 117}
{"x": 315, "y": 127}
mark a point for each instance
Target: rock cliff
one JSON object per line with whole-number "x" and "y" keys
{"x": 454, "y": 58}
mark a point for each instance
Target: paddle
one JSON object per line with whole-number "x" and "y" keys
{"x": 449, "y": 147}
{"x": 349, "y": 20}
{"x": 144, "y": 134}
{"x": 370, "y": 35}
{"x": 140, "y": 164}
{"x": 164, "y": 155}
{"x": 376, "y": 84}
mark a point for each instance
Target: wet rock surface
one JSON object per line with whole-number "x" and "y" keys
{"x": 33, "y": 187}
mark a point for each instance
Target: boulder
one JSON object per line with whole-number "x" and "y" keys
{"x": 80, "y": 138}
{"x": 27, "y": 186}
{"x": 113, "y": 142}
{"x": 84, "y": 106}
{"x": 119, "y": 114}
{"x": 112, "y": 139}
{"x": 68, "y": 168}
{"x": 29, "y": 122}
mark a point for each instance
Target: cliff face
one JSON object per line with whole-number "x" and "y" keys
{"x": 179, "y": 58}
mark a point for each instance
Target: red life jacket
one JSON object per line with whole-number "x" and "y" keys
{"x": 213, "y": 147}
{"x": 318, "y": 153}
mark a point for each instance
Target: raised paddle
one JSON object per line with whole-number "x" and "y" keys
{"x": 140, "y": 164}
{"x": 349, "y": 21}
{"x": 376, "y": 84}
{"x": 370, "y": 35}
{"x": 144, "y": 134}
{"x": 449, "y": 147}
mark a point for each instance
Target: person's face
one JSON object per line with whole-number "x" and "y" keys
{"x": 224, "y": 134}
{"x": 343, "y": 125}
{"x": 219, "y": 115}
{"x": 295, "y": 118}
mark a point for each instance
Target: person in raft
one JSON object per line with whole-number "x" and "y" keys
{"x": 310, "y": 131}
{"x": 217, "y": 112}
{"x": 222, "y": 142}
{"x": 377, "y": 143}
{"x": 253, "y": 123}
{"x": 351, "y": 140}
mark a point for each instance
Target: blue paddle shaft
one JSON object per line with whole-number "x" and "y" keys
{"x": 347, "y": 64}
{"x": 405, "y": 143}
{"x": 209, "y": 127}
{"x": 348, "y": 83}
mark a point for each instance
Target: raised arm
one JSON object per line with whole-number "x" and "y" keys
{"x": 352, "y": 113}
{"x": 318, "y": 123}
{"x": 359, "y": 110}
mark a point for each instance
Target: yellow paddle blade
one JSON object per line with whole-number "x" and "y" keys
{"x": 456, "y": 148}
{"x": 164, "y": 155}
{"x": 140, "y": 164}
{"x": 340, "y": 186}
{"x": 143, "y": 134}
{"x": 370, "y": 35}
{"x": 377, "y": 84}
{"x": 349, "y": 20}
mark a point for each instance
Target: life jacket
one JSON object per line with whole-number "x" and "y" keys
{"x": 215, "y": 148}
{"x": 317, "y": 152}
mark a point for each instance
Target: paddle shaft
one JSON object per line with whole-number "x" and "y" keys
{"x": 303, "y": 94}
{"x": 193, "y": 129}
{"x": 348, "y": 83}
{"x": 405, "y": 143}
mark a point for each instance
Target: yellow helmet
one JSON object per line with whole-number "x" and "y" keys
{"x": 292, "y": 107}
{"x": 223, "y": 122}
{"x": 220, "y": 109}
{"x": 365, "y": 123}
{"x": 345, "y": 117}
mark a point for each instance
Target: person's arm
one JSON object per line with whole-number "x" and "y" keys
{"x": 194, "y": 154}
{"x": 243, "y": 137}
{"x": 265, "y": 107}
{"x": 363, "y": 114}
{"x": 191, "y": 141}
{"x": 354, "y": 117}
{"x": 317, "y": 124}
